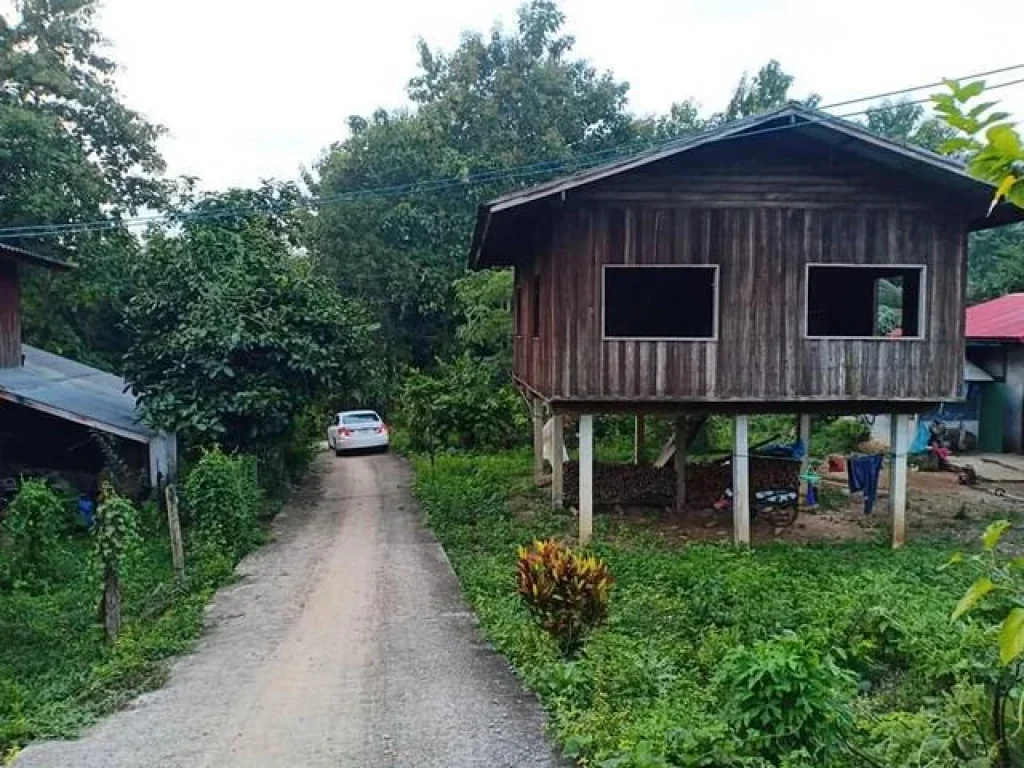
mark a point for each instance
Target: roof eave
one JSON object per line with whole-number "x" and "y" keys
{"x": 35, "y": 259}
{"x": 483, "y": 223}
{"x": 1003, "y": 214}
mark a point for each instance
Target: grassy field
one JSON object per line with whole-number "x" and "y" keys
{"x": 851, "y": 644}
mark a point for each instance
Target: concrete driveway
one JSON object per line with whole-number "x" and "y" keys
{"x": 345, "y": 642}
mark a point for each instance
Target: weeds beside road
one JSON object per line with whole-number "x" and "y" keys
{"x": 851, "y": 643}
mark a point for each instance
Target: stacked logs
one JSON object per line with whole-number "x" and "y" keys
{"x": 645, "y": 485}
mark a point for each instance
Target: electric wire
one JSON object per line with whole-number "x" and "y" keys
{"x": 575, "y": 164}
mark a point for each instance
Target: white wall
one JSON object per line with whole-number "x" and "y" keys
{"x": 163, "y": 458}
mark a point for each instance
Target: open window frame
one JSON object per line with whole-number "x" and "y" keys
{"x": 607, "y": 269}
{"x": 922, "y": 302}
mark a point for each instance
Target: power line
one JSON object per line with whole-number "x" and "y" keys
{"x": 936, "y": 84}
{"x": 577, "y": 163}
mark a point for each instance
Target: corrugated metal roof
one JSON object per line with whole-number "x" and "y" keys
{"x": 38, "y": 260}
{"x": 1001, "y": 319}
{"x": 75, "y": 392}
{"x": 935, "y": 170}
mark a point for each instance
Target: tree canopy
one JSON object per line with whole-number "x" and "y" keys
{"x": 71, "y": 150}
{"x": 234, "y": 333}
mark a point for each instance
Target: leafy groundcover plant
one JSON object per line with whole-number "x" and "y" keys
{"x": 832, "y": 656}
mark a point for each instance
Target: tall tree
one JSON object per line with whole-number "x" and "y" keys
{"x": 233, "y": 333}
{"x": 499, "y": 101}
{"x": 907, "y": 122}
{"x": 70, "y": 150}
{"x": 768, "y": 89}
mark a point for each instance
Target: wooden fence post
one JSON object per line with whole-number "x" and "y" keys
{"x": 174, "y": 527}
{"x": 111, "y": 603}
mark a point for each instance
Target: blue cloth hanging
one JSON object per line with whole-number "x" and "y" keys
{"x": 86, "y": 511}
{"x": 862, "y": 474}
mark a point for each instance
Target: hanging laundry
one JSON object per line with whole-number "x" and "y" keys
{"x": 862, "y": 474}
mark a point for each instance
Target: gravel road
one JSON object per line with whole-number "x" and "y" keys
{"x": 345, "y": 642}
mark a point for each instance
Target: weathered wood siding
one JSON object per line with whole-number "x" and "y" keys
{"x": 10, "y": 316}
{"x": 762, "y": 231}
{"x": 531, "y": 353}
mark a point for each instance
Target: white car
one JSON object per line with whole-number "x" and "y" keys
{"x": 357, "y": 430}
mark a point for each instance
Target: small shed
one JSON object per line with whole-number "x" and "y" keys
{"x": 995, "y": 343}
{"x": 39, "y": 391}
{"x": 791, "y": 262}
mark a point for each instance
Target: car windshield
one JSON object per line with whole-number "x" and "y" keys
{"x": 360, "y": 418}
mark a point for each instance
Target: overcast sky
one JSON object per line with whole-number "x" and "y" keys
{"x": 253, "y": 89}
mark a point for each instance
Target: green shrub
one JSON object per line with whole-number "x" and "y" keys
{"x": 783, "y": 698}
{"x": 34, "y": 526}
{"x": 459, "y": 407}
{"x": 839, "y": 436}
{"x": 13, "y": 725}
{"x": 116, "y": 533}
{"x": 223, "y": 502}
{"x": 646, "y": 690}
{"x": 566, "y": 591}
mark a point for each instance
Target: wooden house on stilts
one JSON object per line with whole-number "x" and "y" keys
{"x": 738, "y": 271}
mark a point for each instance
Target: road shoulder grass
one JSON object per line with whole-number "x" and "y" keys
{"x": 646, "y": 690}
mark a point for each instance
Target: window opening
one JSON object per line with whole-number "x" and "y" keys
{"x": 854, "y": 301}
{"x": 660, "y": 302}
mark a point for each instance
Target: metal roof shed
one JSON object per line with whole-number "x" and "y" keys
{"x": 93, "y": 398}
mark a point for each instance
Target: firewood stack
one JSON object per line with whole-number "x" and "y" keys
{"x": 645, "y": 485}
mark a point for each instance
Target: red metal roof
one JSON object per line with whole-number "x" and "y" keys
{"x": 1001, "y": 319}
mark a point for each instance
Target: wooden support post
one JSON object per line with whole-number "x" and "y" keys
{"x": 682, "y": 440}
{"x": 638, "y": 438}
{"x": 174, "y": 527}
{"x": 899, "y": 441}
{"x": 586, "y": 478}
{"x": 538, "y": 441}
{"x": 740, "y": 480}
{"x": 803, "y": 433}
{"x": 111, "y": 603}
{"x": 557, "y": 467}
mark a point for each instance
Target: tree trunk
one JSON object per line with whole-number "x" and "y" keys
{"x": 111, "y": 604}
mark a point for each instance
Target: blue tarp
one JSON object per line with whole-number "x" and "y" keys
{"x": 794, "y": 450}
